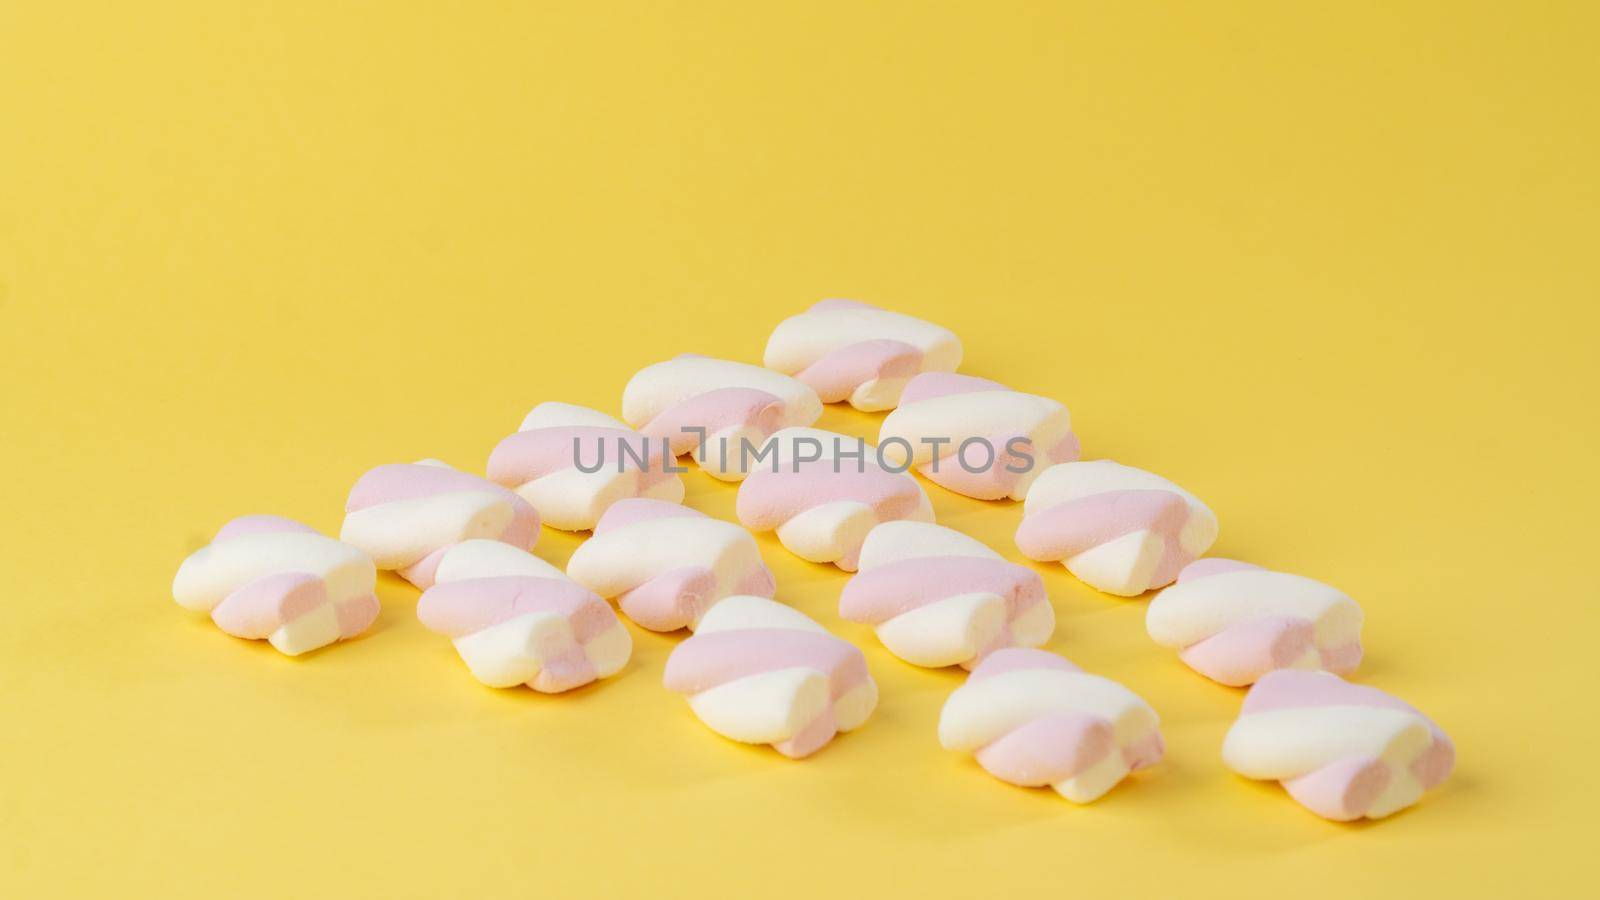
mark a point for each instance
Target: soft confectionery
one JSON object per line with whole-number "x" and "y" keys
{"x": 1120, "y": 529}
{"x": 274, "y": 579}
{"x": 759, "y": 672}
{"x": 937, "y": 597}
{"x": 406, "y": 515}
{"x": 850, "y": 351}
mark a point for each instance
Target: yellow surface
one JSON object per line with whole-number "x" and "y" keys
{"x": 1332, "y": 269}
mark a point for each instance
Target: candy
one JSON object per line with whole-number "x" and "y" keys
{"x": 759, "y": 672}
{"x": 667, "y": 565}
{"x": 407, "y": 515}
{"x": 571, "y": 463}
{"x": 976, "y": 437}
{"x": 715, "y": 408}
{"x": 1120, "y": 529}
{"x": 938, "y": 598}
{"x": 1343, "y": 751}
{"x": 852, "y": 351}
{"x": 1034, "y": 719}
{"x": 1234, "y": 622}
{"x": 822, "y": 492}
{"x": 266, "y": 577}
{"x": 516, "y": 619}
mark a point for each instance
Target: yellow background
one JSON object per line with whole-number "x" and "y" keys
{"x": 1330, "y": 266}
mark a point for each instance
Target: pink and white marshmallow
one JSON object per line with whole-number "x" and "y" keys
{"x": 849, "y": 351}
{"x": 1344, "y": 751}
{"x": 822, "y": 492}
{"x": 1233, "y": 622}
{"x": 1121, "y": 530}
{"x": 728, "y": 404}
{"x": 407, "y": 515}
{"x": 759, "y": 672}
{"x": 976, "y": 437}
{"x": 937, "y": 597}
{"x": 542, "y": 461}
{"x": 1033, "y": 719}
{"x": 516, "y": 619}
{"x": 274, "y": 579}
{"x": 668, "y": 565}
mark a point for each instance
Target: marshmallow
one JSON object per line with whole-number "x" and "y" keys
{"x": 666, "y": 564}
{"x": 1120, "y": 529}
{"x": 852, "y": 351}
{"x": 976, "y": 437}
{"x": 730, "y": 402}
{"x": 274, "y": 578}
{"x": 407, "y": 515}
{"x": 1234, "y": 622}
{"x": 823, "y": 491}
{"x": 541, "y": 464}
{"x": 940, "y": 598}
{"x": 516, "y": 619}
{"x": 1033, "y": 719}
{"x": 1342, "y": 750}
{"x": 760, "y": 672}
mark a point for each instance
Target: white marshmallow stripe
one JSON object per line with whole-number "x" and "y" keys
{"x": 541, "y": 464}
{"x": 852, "y": 351}
{"x": 759, "y": 672}
{"x": 1233, "y": 622}
{"x": 516, "y": 619}
{"x": 728, "y": 403}
{"x": 1343, "y": 751}
{"x": 1034, "y": 719}
{"x": 267, "y": 577}
{"x": 937, "y": 597}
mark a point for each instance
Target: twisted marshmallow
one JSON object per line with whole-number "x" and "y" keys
{"x": 1120, "y": 529}
{"x": 760, "y": 672}
{"x": 852, "y": 351}
{"x": 822, "y": 500}
{"x": 1342, "y": 750}
{"x": 1033, "y": 719}
{"x": 1234, "y": 622}
{"x": 407, "y": 516}
{"x": 1004, "y": 438}
{"x": 515, "y": 619}
{"x": 731, "y": 402}
{"x": 938, "y": 598}
{"x": 274, "y": 578}
{"x": 540, "y": 463}
{"x": 666, "y": 564}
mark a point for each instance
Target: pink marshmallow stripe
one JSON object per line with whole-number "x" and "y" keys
{"x": 837, "y": 374}
{"x": 530, "y": 455}
{"x": 998, "y": 477}
{"x": 246, "y": 525}
{"x": 413, "y": 481}
{"x": 1016, "y": 659}
{"x": 835, "y": 303}
{"x": 1216, "y": 565}
{"x": 715, "y": 411}
{"x": 705, "y": 661}
{"x": 885, "y": 592}
{"x": 261, "y": 607}
{"x": 929, "y": 385}
{"x": 460, "y": 608}
{"x": 770, "y": 498}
